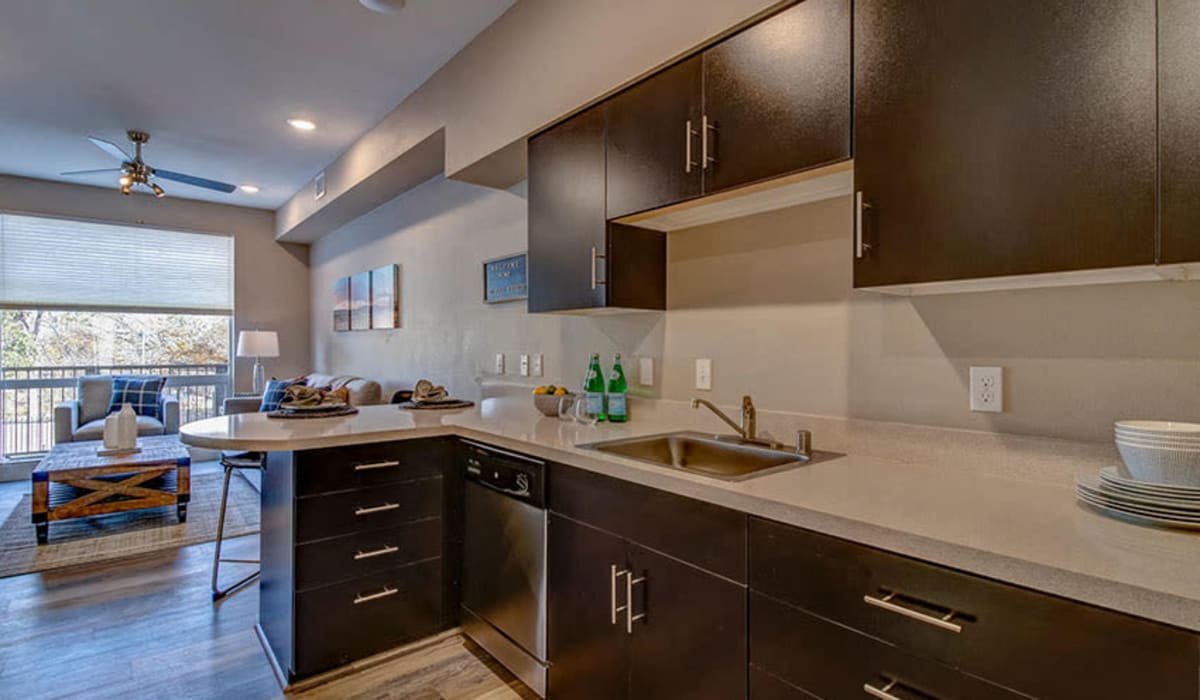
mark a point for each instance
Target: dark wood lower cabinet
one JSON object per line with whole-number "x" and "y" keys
{"x": 691, "y": 642}
{"x": 588, "y": 651}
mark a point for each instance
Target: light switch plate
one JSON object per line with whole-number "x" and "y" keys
{"x": 537, "y": 364}
{"x": 499, "y": 363}
{"x": 524, "y": 365}
{"x": 704, "y": 374}
{"x": 646, "y": 371}
{"x": 987, "y": 389}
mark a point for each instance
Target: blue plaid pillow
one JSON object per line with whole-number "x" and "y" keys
{"x": 273, "y": 394}
{"x": 142, "y": 392}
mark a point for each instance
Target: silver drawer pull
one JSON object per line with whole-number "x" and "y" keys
{"x": 387, "y": 591}
{"x": 376, "y": 509}
{"x": 613, "y": 575}
{"x": 386, "y": 549}
{"x": 375, "y": 465}
{"x": 943, "y": 622}
{"x": 881, "y": 693}
{"x": 630, "y": 618}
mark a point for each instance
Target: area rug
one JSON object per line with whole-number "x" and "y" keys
{"x": 100, "y": 538}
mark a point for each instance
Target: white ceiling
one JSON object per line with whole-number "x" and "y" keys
{"x": 213, "y": 81}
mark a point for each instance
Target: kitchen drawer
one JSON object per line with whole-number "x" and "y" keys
{"x": 1035, "y": 643}
{"x": 358, "y": 466}
{"x": 363, "y": 553}
{"x": 831, "y": 661}
{"x": 764, "y": 686}
{"x": 709, "y": 536}
{"x": 376, "y": 508}
{"x": 333, "y": 629}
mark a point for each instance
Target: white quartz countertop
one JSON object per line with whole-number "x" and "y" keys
{"x": 1019, "y": 531}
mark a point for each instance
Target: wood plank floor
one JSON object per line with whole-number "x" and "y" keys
{"x": 146, "y": 628}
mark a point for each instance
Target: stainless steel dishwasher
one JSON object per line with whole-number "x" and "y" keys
{"x": 504, "y": 559}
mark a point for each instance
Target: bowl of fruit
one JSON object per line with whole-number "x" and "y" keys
{"x": 546, "y": 398}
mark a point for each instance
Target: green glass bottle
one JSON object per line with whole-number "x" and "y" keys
{"x": 618, "y": 409}
{"x": 593, "y": 389}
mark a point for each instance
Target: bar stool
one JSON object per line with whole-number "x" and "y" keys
{"x": 231, "y": 461}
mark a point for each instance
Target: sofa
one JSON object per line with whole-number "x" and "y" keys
{"x": 363, "y": 392}
{"x": 83, "y": 418}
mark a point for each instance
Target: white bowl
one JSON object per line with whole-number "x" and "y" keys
{"x": 1159, "y": 428}
{"x": 1161, "y": 442}
{"x": 1181, "y": 437}
{"x": 1161, "y": 465}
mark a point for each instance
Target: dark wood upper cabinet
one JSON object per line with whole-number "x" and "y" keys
{"x": 566, "y": 213}
{"x": 654, "y": 141}
{"x": 1006, "y": 138}
{"x": 1179, "y": 130}
{"x": 777, "y": 95}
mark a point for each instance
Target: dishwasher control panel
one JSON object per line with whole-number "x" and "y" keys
{"x": 512, "y": 474}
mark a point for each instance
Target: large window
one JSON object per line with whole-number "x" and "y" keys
{"x": 83, "y": 297}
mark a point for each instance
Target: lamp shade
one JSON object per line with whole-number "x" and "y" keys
{"x": 258, "y": 344}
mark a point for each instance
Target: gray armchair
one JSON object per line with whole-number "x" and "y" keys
{"x": 83, "y": 418}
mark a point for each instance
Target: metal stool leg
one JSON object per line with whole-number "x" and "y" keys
{"x": 218, "y": 592}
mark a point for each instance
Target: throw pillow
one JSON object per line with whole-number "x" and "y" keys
{"x": 141, "y": 392}
{"x": 273, "y": 394}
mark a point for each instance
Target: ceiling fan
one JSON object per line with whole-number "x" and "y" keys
{"x": 134, "y": 170}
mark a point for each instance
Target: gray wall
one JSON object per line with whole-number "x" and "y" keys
{"x": 768, "y": 298}
{"x": 270, "y": 279}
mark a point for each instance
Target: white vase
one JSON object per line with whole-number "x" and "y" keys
{"x": 112, "y": 432}
{"x": 127, "y": 422}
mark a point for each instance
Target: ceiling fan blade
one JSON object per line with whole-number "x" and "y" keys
{"x": 92, "y": 172}
{"x": 111, "y": 149}
{"x": 195, "y": 181}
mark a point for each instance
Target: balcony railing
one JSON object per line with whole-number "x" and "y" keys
{"x": 28, "y": 396}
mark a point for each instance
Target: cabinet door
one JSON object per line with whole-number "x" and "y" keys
{"x": 1179, "y": 129}
{"x": 1003, "y": 138}
{"x": 778, "y": 95}
{"x": 566, "y": 214}
{"x": 691, "y": 642}
{"x": 587, "y": 649}
{"x": 653, "y": 158}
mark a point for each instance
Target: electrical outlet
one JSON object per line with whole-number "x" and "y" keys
{"x": 987, "y": 389}
{"x": 704, "y": 374}
{"x": 646, "y": 371}
{"x": 537, "y": 364}
{"x": 524, "y": 365}
{"x": 499, "y": 363}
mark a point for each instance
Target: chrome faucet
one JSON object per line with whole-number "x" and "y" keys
{"x": 748, "y": 430}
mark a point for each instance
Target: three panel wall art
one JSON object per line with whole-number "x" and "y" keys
{"x": 367, "y": 300}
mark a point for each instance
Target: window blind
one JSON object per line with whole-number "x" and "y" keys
{"x": 64, "y": 264}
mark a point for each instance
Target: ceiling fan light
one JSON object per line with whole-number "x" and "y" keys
{"x": 125, "y": 188}
{"x": 158, "y": 191}
{"x": 125, "y": 181}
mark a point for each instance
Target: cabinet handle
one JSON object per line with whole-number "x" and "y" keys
{"x": 375, "y": 465}
{"x": 630, "y": 618}
{"x": 387, "y": 591}
{"x": 596, "y": 255}
{"x": 706, "y": 127}
{"x": 688, "y": 134}
{"x": 883, "y": 693}
{"x": 386, "y": 549}
{"x": 943, "y": 622}
{"x": 613, "y": 575}
{"x": 376, "y": 509}
{"x": 860, "y": 244}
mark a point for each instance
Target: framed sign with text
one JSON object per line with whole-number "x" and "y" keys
{"x": 504, "y": 279}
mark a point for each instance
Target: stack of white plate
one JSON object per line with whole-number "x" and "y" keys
{"x": 1160, "y": 452}
{"x": 1159, "y": 504}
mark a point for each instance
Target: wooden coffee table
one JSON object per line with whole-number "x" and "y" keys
{"x": 72, "y": 481}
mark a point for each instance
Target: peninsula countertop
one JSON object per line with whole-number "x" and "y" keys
{"x": 1023, "y": 532}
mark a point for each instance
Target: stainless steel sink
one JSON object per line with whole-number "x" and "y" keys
{"x": 722, "y": 457}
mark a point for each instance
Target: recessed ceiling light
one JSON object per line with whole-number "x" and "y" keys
{"x": 385, "y": 6}
{"x": 302, "y": 124}
{"x": 249, "y": 189}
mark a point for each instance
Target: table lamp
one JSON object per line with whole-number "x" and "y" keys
{"x": 258, "y": 344}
